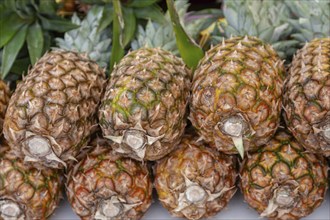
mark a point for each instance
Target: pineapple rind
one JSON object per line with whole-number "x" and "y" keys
{"x": 56, "y": 103}
{"x": 4, "y": 100}
{"x": 104, "y": 175}
{"x": 306, "y": 97}
{"x": 37, "y": 191}
{"x": 193, "y": 165}
{"x": 284, "y": 163}
{"x": 243, "y": 77}
{"x": 146, "y": 99}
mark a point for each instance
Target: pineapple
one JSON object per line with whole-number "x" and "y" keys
{"x": 104, "y": 185}
{"x": 266, "y": 19}
{"x": 307, "y": 96}
{"x": 4, "y": 99}
{"x": 236, "y": 95}
{"x": 195, "y": 181}
{"x": 26, "y": 192}
{"x": 307, "y": 89}
{"x": 90, "y": 38}
{"x": 53, "y": 110}
{"x": 281, "y": 181}
{"x": 143, "y": 110}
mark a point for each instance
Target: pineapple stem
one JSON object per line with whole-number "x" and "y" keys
{"x": 39, "y": 149}
{"x": 282, "y": 201}
{"x": 135, "y": 139}
{"x": 195, "y": 193}
{"x": 110, "y": 209}
{"x": 326, "y": 132}
{"x": 235, "y": 126}
{"x": 283, "y": 197}
{"x": 9, "y": 209}
{"x": 38, "y": 146}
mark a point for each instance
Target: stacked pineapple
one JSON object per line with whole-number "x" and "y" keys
{"x": 306, "y": 97}
{"x": 4, "y": 99}
{"x": 105, "y": 185}
{"x": 235, "y": 107}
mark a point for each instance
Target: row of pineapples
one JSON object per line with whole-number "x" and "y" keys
{"x": 65, "y": 118}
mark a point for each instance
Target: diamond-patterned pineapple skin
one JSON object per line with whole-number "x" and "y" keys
{"x": 4, "y": 100}
{"x": 194, "y": 163}
{"x": 307, "y": 96}
{"x": 37, "y": 191}
{"x": 57, "y": 101}
{"x": 104, "y": 175}
{"x": 284, "y": 162}
{"x": 241, "y": 76}
{"x": 148, "y": 92}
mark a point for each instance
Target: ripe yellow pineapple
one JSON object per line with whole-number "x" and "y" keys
{"x": 282, "y": 181}
{"x": 236, "y": 95}
{"x": 307, "y": 96}
{"x": 195, "y": 181}
{"x": 26, "y": 192}
{"x": 52, "y": 112}
{"x": 144, "y": 107}
{"x": 4, "y": 99}
{"x": 104, "y": 185}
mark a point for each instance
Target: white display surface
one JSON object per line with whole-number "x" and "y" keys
{"x": 237, "y": 209}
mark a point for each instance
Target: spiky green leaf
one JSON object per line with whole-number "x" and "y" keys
{"x": 11, "y": 50}
{"x": 107, "y": 18}
{"x": 35, "y": 42}
{"x": 190, "y": 52}
{"x": 47, "y": 7}
{"x": 141, "y": 3}
{"x": 118, "y": 30}
{"x": 129, "y": 26}
{"x": 9, "y": 27}
{"x": 57, "y": 24}
{"x": 152, "y": 12}
{"x": 20, "y": 66}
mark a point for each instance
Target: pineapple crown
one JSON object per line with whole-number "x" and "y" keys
{"x": 266, "y": 20}
{"x": 311, "y": 19}
{"x": 91, "y": 37}
{"x": 162, "y": 35}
